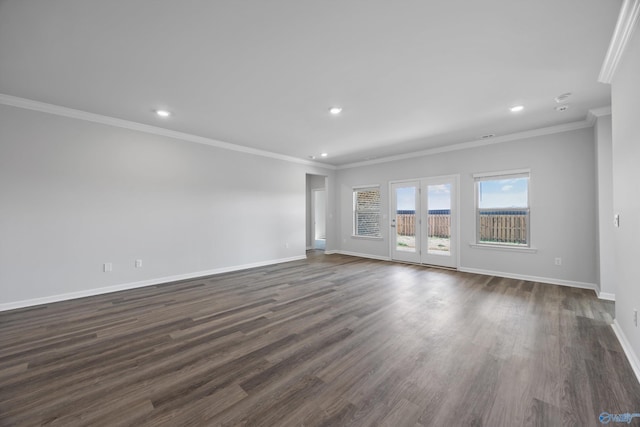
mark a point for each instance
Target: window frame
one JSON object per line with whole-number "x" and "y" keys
{"x": 494, "y": 176}
{"x": 355, "y": 211}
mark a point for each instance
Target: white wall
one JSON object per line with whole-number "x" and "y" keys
{"x": 76, "y": 194}
{"x": 625, "y": 106}
{"x": 604, "y": 169}
{"x": 563, "y": 215}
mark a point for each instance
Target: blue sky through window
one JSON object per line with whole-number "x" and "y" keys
{"x": 439, "y": 197}
{"x": 406, "y": 198}
{"x": 503, "y": 193}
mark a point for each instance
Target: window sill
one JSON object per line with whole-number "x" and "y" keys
{"x": 505, "y": 248}
{"x": 366, "y": 237}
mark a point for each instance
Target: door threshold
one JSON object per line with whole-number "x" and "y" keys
{"x": 442, "y": 267}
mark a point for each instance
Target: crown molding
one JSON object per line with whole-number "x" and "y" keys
{"x": 29, "y": 104}
{"x": 566, "y": 127}
{"x": 595, "y": 113}
{"x": 601, "y": 111}
{"x": 627, "y": 20}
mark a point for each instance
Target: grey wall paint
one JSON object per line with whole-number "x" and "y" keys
{"x": 76, "y": 194}
{"x": 604, "y": 168}
{"x": 563, "y": 218}
{"x": 313, "y": 182}
{"x": 625, "y": 107}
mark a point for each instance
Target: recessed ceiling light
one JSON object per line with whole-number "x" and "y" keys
{"x": 516, "y": 108}
{"x": 324, "y": 154}
{"x": 163, "y": 113}
{"x": 562, "y": 98}
{"x": 312, "y": 157}
{"x": 335, "y": 110}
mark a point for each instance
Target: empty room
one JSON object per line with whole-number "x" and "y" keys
{"x": 338, "y": 213}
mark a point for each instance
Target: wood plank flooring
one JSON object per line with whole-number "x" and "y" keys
{"x": 329, "y": 341}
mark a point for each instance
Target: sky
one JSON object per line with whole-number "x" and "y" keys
{"x": 503, "y": 193}
{"x": 439, "y": 197}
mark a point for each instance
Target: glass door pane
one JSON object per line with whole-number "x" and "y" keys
{"x": 406, "y": 219}
{"x": 440, "y": 216}
{"x": 439, "y": 219}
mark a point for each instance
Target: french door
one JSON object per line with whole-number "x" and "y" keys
{"x": 423, "y": 220}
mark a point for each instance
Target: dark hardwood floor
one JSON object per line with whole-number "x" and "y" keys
{"x": 333, "y": 341}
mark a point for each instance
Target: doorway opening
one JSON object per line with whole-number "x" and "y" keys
{"x": 316, "y": 212}
{"x": 424, "y": 221}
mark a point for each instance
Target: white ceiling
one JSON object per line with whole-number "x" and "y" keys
{"x": 411, "y": 75}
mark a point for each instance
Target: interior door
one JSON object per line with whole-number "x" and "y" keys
{"x": 405, "y": 221}
{"x": 424, "y": 226}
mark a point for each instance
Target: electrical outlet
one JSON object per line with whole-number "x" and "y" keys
{"x": 616, "y": 220}
{"x": 138, "y": 263}
{"x": 107, "y": 267}
{"x": 558, "y": 261}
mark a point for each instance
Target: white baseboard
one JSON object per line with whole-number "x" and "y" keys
{"x": 125, "y": 286}
{"x": 607, "y": 296}
{"x": 634, "y": 361}
{"x": 549, "y": 280}
{"x": 552, "y": 281}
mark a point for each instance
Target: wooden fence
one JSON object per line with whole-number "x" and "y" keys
{"x": 495, "y": 226}
{"x": 406, "y": 224}
{"x": 439, "y": 225}
{"x": 503, "y": 227}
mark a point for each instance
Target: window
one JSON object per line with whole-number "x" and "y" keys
{"x": 366, "y": 212}
{"x": 502, "y": 209}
